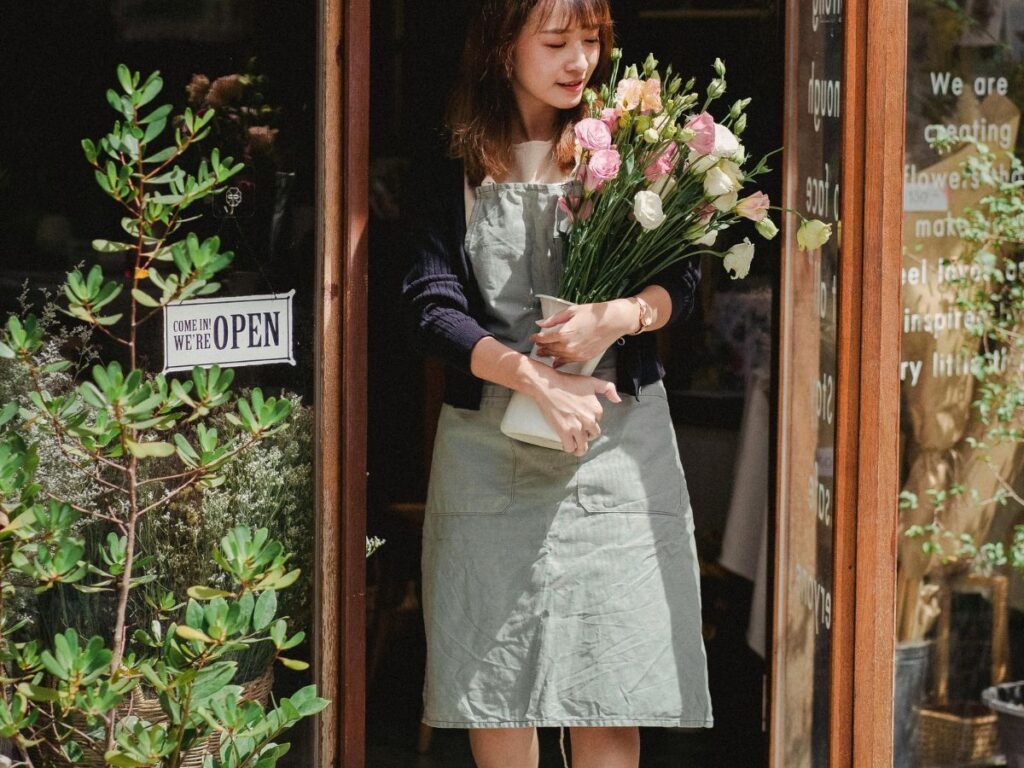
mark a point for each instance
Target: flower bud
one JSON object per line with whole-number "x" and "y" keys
{"x": 766, "y": 228}
{"x": 719, "y": 67}
{"x": 642, "y": 123}
{"x": 813, "y": 234}
{"x": 685, "y": 135}
{"x": 605, "y": 94}
{"x": 630, "y": 73}
{"x": 740, "y": 125}
{"x": 716, "y": 88}
{"x": 616, "y": 54}
{"x": 690, "y": 83}
{"x": 674, "y": 86}
{"x": 589, "y": 97}
{"x": 651, "y": 136}
{"x": 650, "y": 64}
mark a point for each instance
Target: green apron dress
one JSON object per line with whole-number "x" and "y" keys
{"x": 557, "y": 590}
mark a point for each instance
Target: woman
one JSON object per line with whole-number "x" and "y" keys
{"x": 560, "y": 588}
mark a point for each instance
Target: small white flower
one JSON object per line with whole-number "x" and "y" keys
{"x": 813, "y": 234}
{"x": 726, "y": 142}
{"x": 704, "y": 163}
{"x": 737, "y": 259}
{"x": 647, "y": 209}
{"x": 717, "y": 183}
{"x": 664, "y": 185}
{"x": 709, "y": 238}
{"x": 726, "y": 202}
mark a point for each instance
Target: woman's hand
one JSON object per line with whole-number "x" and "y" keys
{"x": 585, "y": 331}
{"x": 570, "y": 405}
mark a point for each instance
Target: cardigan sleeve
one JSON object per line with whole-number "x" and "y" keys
{"x": 435, "y": 293}
{"x": 680, "y": 280}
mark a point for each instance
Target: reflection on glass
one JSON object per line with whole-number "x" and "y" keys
{"x": 804, "y": 611}
{"x": 253, "y": 62}
{"x": 957, "y": 600}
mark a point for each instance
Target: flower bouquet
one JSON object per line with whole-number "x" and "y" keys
{"x": 657, "y": 180}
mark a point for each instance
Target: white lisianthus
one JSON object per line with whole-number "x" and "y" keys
{"x": 708, "y": 239}
{"x": 664, "y": 185}
{"x": 813, "y": 234}
{"x": 717, "y": 182}
{"x": 737, "y": 259}
{"x": 647, "y": 209}
{"x": 726, "y": 142}
{"x": 704, "y": 163}
{"x": 766, "y": 228}
{"x": 726, "y": 202}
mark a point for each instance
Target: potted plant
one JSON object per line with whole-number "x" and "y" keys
{"x": 160, "y": 694}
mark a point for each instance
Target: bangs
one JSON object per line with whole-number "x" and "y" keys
{"x": 585, "y": 14}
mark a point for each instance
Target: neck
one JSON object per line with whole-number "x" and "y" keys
{"x": 537, "y": 121}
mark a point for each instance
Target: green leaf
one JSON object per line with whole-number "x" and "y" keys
{"x": 144, "y": 298}
{"x": 6, "y": 352}
{"x": 295, "y": 664}
{"x": 266, "y": 609}
{"x": 150, "y": 450}
{"x": 124, "y": 76}
{"x": 110, "y": 246}
{"x": 206, "y": 593}
{"x": 121, "y": 760}
{"x": 190, "y": 633}
{"x": 38, "y": 692}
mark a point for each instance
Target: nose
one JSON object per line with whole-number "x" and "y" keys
{"x": 578, "y": 64}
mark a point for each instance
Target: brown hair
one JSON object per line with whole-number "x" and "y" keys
{"x": 482, "y": 110}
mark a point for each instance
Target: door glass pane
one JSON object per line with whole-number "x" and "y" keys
{"x": 254, "y": 64}
{"x": 810, "y": 289}
{"x": 959, "y": 606}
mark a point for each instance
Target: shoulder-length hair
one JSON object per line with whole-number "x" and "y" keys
{"x": 482, "y": 110}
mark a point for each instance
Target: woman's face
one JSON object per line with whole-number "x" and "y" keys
{"x": 553, "y": 61}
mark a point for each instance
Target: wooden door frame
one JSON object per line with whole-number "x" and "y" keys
{"x": 868, "y": 389}
{"x": 874, "y": 83}
{"x": 868, "y": 448}
{"x": 341, "y": 397}
{"x": 867, "y": 414}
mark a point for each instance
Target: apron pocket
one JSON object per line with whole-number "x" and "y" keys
{"x": 634, "y": 466}
{"x": 473, "y": 467}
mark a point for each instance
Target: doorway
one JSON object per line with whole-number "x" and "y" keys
{"x": 721, "y": 382}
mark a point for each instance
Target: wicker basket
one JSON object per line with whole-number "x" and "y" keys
{"x": 149, "y": 709}
{"x": 957, "y": 734}
{"x": 964, "y": 733}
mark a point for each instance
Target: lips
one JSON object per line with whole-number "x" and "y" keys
{"x": 573, "y": 86}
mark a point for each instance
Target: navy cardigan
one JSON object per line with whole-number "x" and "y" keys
{"x": 447, "y": 309}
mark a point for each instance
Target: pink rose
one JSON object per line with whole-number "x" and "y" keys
{"x": 593, "y": 134}
{"x": 754, "y": 207}
{"x": 610, "y": 117}
{"x": 703, "y": 127}
{"x": 663, "y": 164}
{"x": 650, "y": 96}
{"x": 573, "y": 210}
{"x": 628, "y": 94}
{"x": 602, "y": 168}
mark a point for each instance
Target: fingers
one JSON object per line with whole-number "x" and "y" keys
{"x": 607, "y": 389}
{"x": 557, "y": 319}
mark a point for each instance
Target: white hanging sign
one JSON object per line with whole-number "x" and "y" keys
{"x": 233, "y": 331}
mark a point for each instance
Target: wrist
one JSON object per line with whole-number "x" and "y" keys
{"x": 626, "y": 317}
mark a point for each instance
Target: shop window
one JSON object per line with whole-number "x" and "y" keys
{"x": 959, "y": 602}
{"x": 254, "y": 63}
